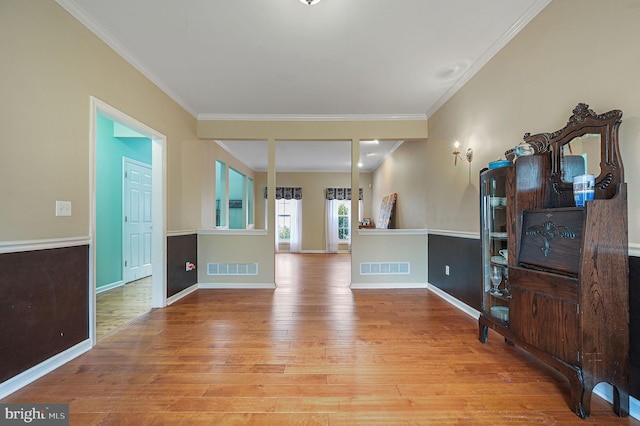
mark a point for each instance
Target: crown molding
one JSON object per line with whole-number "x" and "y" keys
{"x": 311, "y": 117}
{"x": 522, "y": 22}
{"x": 121, "y": 50}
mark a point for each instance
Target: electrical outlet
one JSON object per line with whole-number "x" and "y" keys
{"x": 63, "y": 208}
{"x": 446, "y": 269}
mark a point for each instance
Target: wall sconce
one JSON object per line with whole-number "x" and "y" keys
{"x": 468, "y": 156}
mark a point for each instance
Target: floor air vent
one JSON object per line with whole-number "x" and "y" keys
{"x": 385, "y": 268}
{"x": 232, "y": 269}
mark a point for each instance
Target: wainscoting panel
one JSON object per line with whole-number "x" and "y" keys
{"x": 44, "y": 305}
{"x": 180, "y": 250}
{"x": 463, "y": 257}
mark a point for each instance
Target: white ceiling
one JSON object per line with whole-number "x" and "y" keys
{"x": 261, "y": 59}
{"x": 311, "y": 156}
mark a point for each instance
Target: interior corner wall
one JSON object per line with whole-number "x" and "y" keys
{"x": 573, "y": 51}
{"x": 403, "y": 172}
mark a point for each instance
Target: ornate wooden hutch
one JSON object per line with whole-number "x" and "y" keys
{"x": 567, "y": 289}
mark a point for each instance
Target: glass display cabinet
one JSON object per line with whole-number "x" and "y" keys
{"x": 494, "y": 221}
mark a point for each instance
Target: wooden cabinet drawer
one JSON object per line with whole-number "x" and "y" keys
{"x": 550, "y": 284}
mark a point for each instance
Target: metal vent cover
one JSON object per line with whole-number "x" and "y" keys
{"x": 232, "y": 269}
{"x": 385, "y": 268}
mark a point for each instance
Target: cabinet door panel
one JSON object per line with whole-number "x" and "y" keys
{"x": 547, "y": 323}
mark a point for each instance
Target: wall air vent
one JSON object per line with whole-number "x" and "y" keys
{"x": 385, "y": 268}
{"x": 232, "y": 269}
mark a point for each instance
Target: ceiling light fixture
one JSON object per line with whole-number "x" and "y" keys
{"x": 310, "y": 2}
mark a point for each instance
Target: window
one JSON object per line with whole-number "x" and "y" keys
{"x": 237, "y": 196}
{"x": 344, "y": 219}
{"x": 221, "y": 194}
{"x": 249, "y": 202}
{"x": 284, "y": 219}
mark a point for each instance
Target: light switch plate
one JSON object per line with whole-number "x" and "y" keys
{"x": 63, "y": 208}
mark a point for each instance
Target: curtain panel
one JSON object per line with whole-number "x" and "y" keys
{"x": 341, "y": 194}
{"x": 288, "y": 193}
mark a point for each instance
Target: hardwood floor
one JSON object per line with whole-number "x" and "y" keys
{"x": 117, "y": 307}
{"x": 310, "y": 352}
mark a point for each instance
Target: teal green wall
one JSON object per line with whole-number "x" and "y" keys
{"x": 109, "y": 152}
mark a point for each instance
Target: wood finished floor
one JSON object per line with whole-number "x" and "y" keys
{"x": 310, "y": 352}
{"x": 117, "y": 307}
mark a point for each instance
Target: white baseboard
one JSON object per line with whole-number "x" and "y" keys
{"x": 23, "y": 379}
{"x": 182, "y": 294}
{"x": 455, "y": 302}
{"x": 235, "y": 286}
{"x": 605, "y": 391}
{"x": 108, "y": 287}
{"x": 386, "y": 286}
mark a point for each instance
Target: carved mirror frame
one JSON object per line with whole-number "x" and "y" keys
{"x": 584, "y": 121}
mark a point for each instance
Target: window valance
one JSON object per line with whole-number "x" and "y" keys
{"x": 341, "y": 194}
{"x": 288, "y": 193}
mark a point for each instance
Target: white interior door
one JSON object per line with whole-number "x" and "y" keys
{"x": 136, "y": 219}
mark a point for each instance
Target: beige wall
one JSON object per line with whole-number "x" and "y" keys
{"x": 403, "y": 172}
{"x": 390, "y": 246}
{"x": 573, "y": 51}
{"x": 232, "y": 247}
{"x": 51, "y": 65}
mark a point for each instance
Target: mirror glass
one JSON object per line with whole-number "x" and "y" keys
{"x": 580, "y": 156}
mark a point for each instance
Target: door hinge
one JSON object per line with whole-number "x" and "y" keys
{"x": 125, "y": 218}
{"x": 125, "y": 263}
{"x": 126, "y": 174}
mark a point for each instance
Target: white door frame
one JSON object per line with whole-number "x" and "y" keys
{"x": 158, "y": 206}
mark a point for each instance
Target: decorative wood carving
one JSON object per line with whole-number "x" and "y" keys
{"x": 585, "y": 121}
{"x": 548, "y": 231}
{"x": 539, "y": 142}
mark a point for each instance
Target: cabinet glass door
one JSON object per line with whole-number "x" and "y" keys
{"x": 493, "y": 212}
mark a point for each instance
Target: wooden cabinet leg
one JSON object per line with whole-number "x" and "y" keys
{"x": 579, "y": 395}
{"x": 483, "y": 333}
{"x": 578, "y": 407}
{"x": 620, "y": 402}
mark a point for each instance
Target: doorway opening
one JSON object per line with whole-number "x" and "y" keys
{"x": 147, "y": 147}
